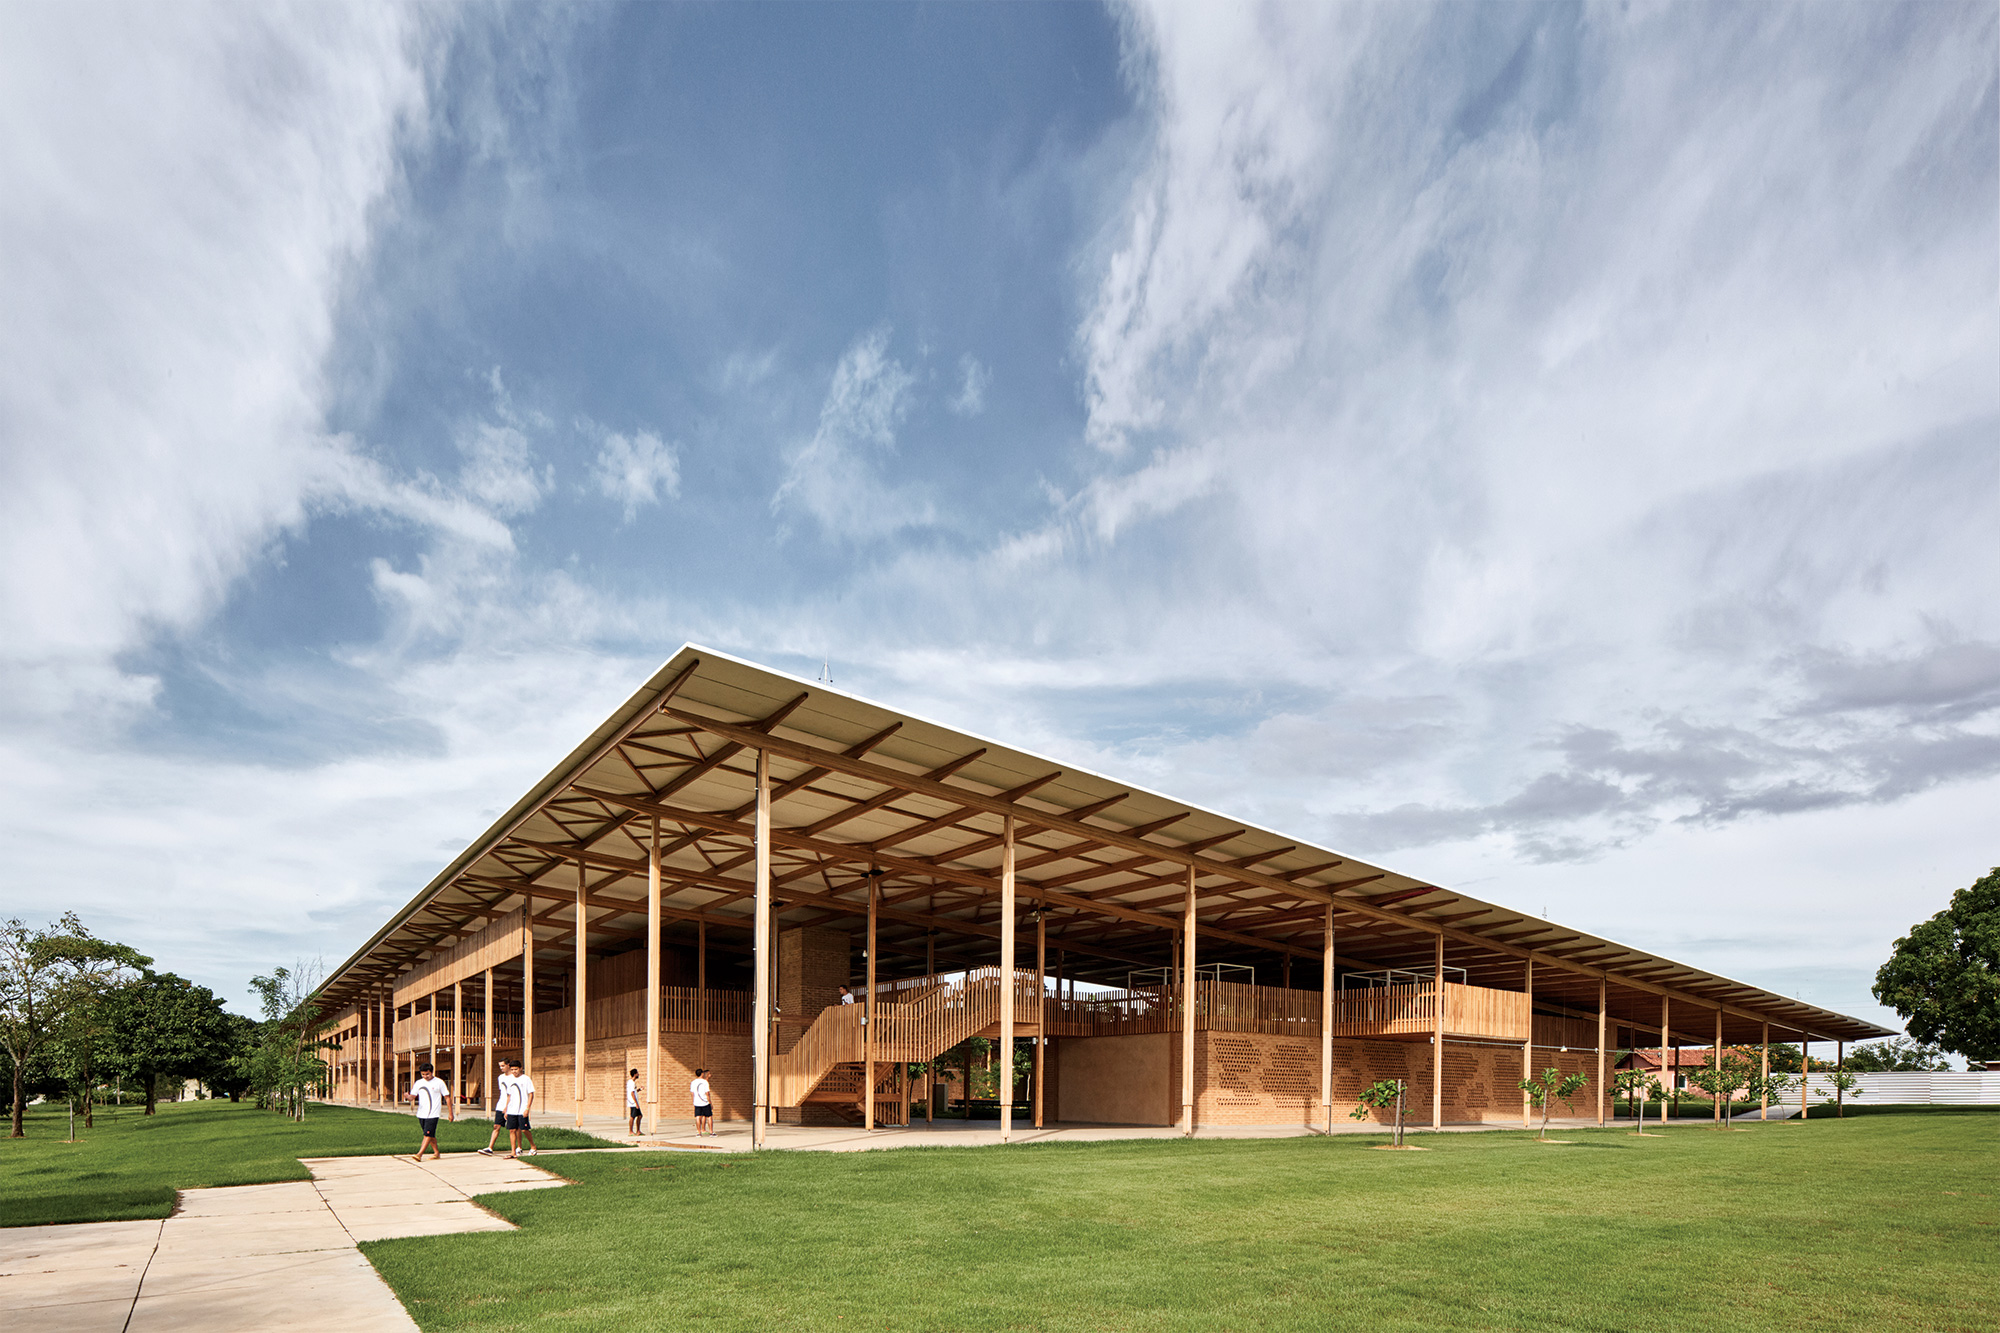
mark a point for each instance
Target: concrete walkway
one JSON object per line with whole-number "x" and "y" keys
{"x": 252, "y": 1257}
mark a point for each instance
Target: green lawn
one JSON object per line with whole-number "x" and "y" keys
{"x": 1878, "y": 1221}
{"x": 130, "y": 1166}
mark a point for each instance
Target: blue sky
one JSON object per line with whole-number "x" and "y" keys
{"x": 1551, "y": 449}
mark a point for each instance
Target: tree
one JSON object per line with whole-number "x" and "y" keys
{"x": 287, "y": 1064}
{"x": 1380, "y": 1096}
{"x": 163, "y": 1026}
{"x": 1844, "y": 1084}
{"x": 1550, "y": 1088}
{"x": 1723, "y": 1074}
{"x": 227, "y": 1070}
{"x": 1629, "y": 1083}
{"x": 46, "y": 976}
{"x": 1944, "y": 976}
{"x": 1896, "y": 1055}
{"x": 1766, "y": 1088}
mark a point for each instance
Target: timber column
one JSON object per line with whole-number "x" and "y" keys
{"x": 1528, "y": 1042}
{"x": 486, "y": 1067}
{"x": 1715, "y": 1054}
{"x": 760, "y": 1003}
{"x": 1041, "y": 1004}
{"x": 1437, "y": 1036}
{"x": 1004, "y": 1083}
{"x": 528, "y": 987}
{"x": 1666, "y": 1079}
{"x": 1187, "y": 1010}
{"x": 581, "y": 997}
{"x": 868, "y": 1007}
{"x": 1764, "y": 1087}
{"x": 653, "y": 973}
{"x": 1603, "y": 996}
{"x": 457, "y": 1041}
{"x": 1326, "y": 1021}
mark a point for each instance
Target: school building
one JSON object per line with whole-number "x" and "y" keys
{"x": 696, "y": 881}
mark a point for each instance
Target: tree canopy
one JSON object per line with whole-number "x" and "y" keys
{"x": 48, "y": 979}
{"x": 163, "y": 1026}
{"x": 1944, "y": 976}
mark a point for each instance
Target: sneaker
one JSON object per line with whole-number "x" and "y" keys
{"x": 530, "y": 1153}
{"x": 485, "y": 1152}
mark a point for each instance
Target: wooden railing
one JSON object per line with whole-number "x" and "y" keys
{"x": 909, "y": 1031}
{"x": 682, "y": 1009}
{"x": 420, "y": 1032}
{"x": 1385, "y": 1011}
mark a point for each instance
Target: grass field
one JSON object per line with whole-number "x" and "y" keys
{"x": 130, "y": 1166}
{"x": 1878, "y": 1221}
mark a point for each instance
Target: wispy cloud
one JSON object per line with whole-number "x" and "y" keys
{"x": 837, "y": 478}
{"x": 636, "y": 470}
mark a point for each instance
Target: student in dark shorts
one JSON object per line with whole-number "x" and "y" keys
{"x": 518, "y": 1124}
{"x": 632, "y": 1091}
{"x": 704, "y": 1109}
{"x": 501, "y": 1102}
{"x": 432, "y": 1095}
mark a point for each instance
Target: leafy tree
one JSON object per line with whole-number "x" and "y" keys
{"x": 46, "y": 978}
{"x": 1944, "y": 976}
{"x": 226, "y": 1072}
{"x": 1629, "y": 1083}
{"x": 287, "y": 1064}
{"x": 1771, "y": 1087}
{"x": 1844, "y": 1084}
{"x": 1550, "y": 1088}
{"x": 164, "y": 1026}
{"x": 1897, "y": 1055}
{"x": 1722, "y": 1076}
{"x": 1380, "y": 1096}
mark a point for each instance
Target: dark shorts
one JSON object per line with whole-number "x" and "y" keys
{"x": 517, "y": 1122}
{"x": 705, "y": 1111}
{"x": 430, "y": 1126}
{"x": 631, "y": 1113}
{"x": 500, "y": 1119}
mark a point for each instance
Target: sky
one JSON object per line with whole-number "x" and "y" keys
{"x": 1553, "y": 450}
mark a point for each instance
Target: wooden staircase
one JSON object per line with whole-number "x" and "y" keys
{"x": 825, "y": 1066}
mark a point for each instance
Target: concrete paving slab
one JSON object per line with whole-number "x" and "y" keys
{"x": 249, "y": 1234}
{"x": 235, "y": 1200}
{"x": 338, "y": 1289}
{"x": 342, "y": 1195}
{"x": 69, "y": 1286}
{"x": 434, "y": 1219}
{"x": 76, "y": 1245}
{"x": 94, "y": 1316}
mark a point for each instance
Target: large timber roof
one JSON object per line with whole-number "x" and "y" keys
{"x": 858, "y": 787}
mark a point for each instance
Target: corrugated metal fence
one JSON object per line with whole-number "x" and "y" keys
{"x": 1944, "y": 1088}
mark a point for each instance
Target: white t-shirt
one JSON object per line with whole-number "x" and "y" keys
{"x": 631, "y": 1092}
{"x": 524, "y": 1092}
{"x": 847, "y": 997}
{"x": 699, "y": 1091}
{"x": 430, "y": 1093}
{"x": 504, "y": 1103}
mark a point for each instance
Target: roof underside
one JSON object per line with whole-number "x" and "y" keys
{"x": 857, "y": 787}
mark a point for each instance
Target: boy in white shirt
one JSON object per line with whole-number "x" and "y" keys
{"x": 517, "y": 1115}
{"x": 704, "y": 1105}
{"x": 503, "y": 1101}
{"x": 432, "y": 1095}
{"x": 632, "y": 1099}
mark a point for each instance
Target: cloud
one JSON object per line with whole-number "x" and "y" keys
{"x": 634, "y": 470}
{"x": 187, "y": 189}
{"x": 970, "y": 400}
{"x": 835, "y": 477}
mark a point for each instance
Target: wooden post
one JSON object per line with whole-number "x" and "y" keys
{"x": 457, "y": 1037}
{"x": 701, "y": 992}
{"x": 653, "y": 973}
{"x": 1715, "y": 1056}
{"x": 486, "y": 1064}
{"x": 760, "y": 1011}
{"x": 1326, "y": 979}
{"x": 432, "y": 1001}
{"x": 579, "y": 997}
{"x": 527, "y": 988}
{"x": 868, "y": 1007}
{"x": 1041, "y": 1006}
{"x": 381, "y": 1048}
{"x": 1528, "y": 1043}
{"x": 1805, "y": 1072}
{"x": 1666, "y": 1079}
{"x": 1602, "y": 997}
{"x": 1764, "y": 1068}
{"x": 1004, "y": 1083}
{"x": 1187, "y": 1009}
{"x": 1437, "y": 1036}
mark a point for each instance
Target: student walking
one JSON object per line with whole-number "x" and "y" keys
{"x": 503, "y": 1101}
{"x": 518, "y": 1123}
{"x": 704, "y": 1107}
{"x": 432, "y": 1095}
{"x": 632, "y": 1091}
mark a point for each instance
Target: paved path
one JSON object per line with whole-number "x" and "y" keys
{"x": 252, "y": 1257}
